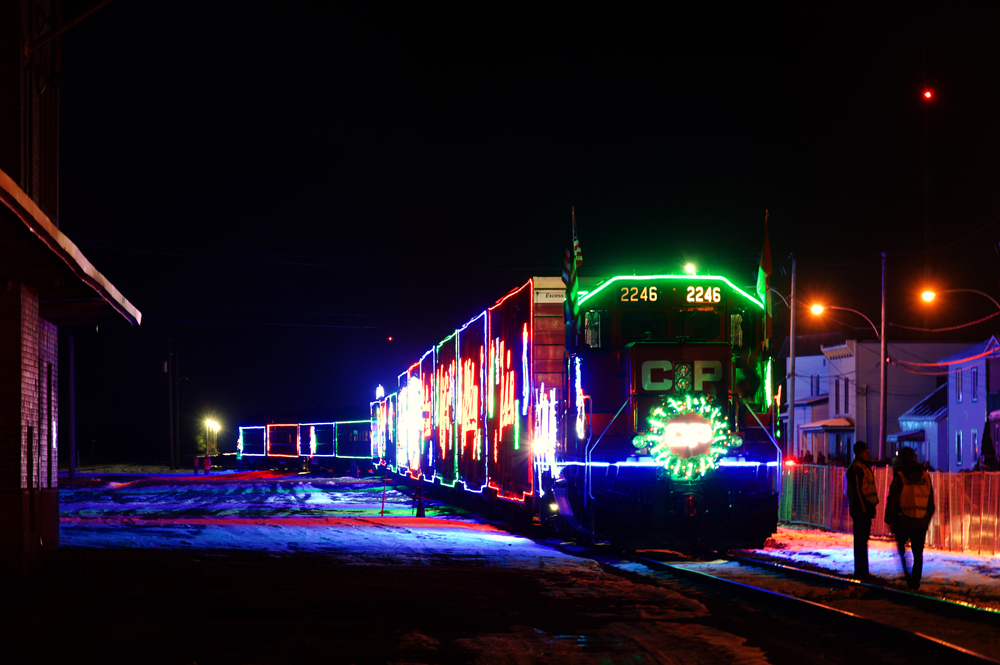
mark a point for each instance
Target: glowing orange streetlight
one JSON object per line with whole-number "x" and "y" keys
{"x": 928, "y": 295}
{"x": 818, "y": 309}
{"x": 928, "y": 94}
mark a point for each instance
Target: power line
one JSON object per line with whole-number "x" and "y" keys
{"x": 263, "y": 323}
{"x": 263, "y": 311}
{"x": 934, "y": 330}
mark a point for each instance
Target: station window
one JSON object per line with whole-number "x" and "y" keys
{"x": 975, "y": 445}
{"x": 975, "y": 384}
{"x": 958, "y": 448}
{"x": 958, "y": 385}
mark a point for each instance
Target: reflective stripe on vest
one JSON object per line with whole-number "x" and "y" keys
{"x": 914, "y": 498}
{"x": 868, "y": 485}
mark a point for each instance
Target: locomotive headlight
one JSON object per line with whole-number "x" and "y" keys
{"x": 688, "y": 435}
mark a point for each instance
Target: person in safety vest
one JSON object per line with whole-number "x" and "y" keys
{"x": 908, "y": 511}
{"x": 862, "y": 499}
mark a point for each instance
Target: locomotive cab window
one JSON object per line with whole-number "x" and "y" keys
{"x": 644, "y": 324}
{"x": 742, "y": 329}
{"x": 596, "y": 330}
{"x": 698, "y": 324}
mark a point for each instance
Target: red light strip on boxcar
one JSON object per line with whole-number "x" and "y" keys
{"x": 268, "y": 446}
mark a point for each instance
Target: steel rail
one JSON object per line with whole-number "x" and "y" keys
{"x": 950, "y": 651}
{"x": 922, "y": 600}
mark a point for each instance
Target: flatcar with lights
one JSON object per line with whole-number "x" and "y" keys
{"x": 342, "y": 444}
{"x": 647, "y": 424}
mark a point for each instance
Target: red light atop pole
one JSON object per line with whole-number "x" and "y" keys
{"x": 928, "y": 94}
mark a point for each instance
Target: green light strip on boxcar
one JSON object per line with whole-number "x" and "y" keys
{"x": 442, "y": 342}
{"x": 689, "y": 278}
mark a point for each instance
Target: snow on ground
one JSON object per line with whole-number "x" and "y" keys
{"x": 957, "y": 575}
{"x": 281, "y": 513}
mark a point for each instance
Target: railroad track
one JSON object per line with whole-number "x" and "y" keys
{"x": 916, "y": 627}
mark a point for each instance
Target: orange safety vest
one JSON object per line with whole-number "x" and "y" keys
{"x": 867, "y": 488}
{"x": 915, "y": 497}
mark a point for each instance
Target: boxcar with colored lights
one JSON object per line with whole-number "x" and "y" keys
{"x": 342, "y": 444}
{"x": 647, "y": 426}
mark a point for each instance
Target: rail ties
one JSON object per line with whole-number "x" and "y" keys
{"x": 921, "y": 645}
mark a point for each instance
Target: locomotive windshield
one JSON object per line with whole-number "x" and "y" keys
{"x": 694, "y": 324}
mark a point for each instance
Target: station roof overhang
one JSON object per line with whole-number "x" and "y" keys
{"x": 34, "y": 252}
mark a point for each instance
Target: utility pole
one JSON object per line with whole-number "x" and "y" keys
{"x": 883, "y": 371}
{"x": 177, "y": 410}
{"x": 72, "y": 409}
{"x": 168, "y": 367}
{"x": 793, "y": 439}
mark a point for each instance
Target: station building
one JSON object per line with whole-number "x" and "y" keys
{"x": 45, "y": 281}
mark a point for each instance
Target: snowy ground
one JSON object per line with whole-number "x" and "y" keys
{"x": 156, "y": 540}
{"x": 303, "y": 512}
{"x": 492, "y": 597}
{"x": 960, "y": 576}
{"x": 277, "y": 513}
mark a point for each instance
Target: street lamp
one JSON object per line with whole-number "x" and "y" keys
{"x": 212, "y": 437}
{"x": 928, "y": 295}
{"x": 817, "y": 310}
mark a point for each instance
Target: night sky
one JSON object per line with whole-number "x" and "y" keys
{"x": 280, "y": 187}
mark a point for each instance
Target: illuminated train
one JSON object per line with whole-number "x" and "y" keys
{"x": 648, "y": 427}
{"x": 333, "y": 444}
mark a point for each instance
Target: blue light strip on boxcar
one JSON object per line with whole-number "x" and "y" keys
{"x": 246, "y": 454}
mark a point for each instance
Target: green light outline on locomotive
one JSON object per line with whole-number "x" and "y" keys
{"x": 692, "y": 353}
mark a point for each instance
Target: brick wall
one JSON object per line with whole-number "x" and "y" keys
{"x": 10, "y": 387}
{"x": 29, "y": 389}
{"x": 48, "y": 353}
{"x": 29, "y": 502}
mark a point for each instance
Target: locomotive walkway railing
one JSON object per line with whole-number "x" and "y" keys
{"x": 967, "y": 518}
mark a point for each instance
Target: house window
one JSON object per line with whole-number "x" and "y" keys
{"x": 958, "y": 386}
{"x": 975, "y": 445}
{"x": 958, "y": 449}
{"x": 975, "y": 384}
{"x": 836, "y": 396}
{"x": 847, "y": 393}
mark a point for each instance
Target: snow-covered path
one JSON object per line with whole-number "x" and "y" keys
{"x": 956, "y": 575}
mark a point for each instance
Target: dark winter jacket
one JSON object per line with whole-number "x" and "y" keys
{"x": 895, "y": 513}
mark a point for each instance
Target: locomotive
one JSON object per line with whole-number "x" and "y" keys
{"x": 647, "y": 424}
